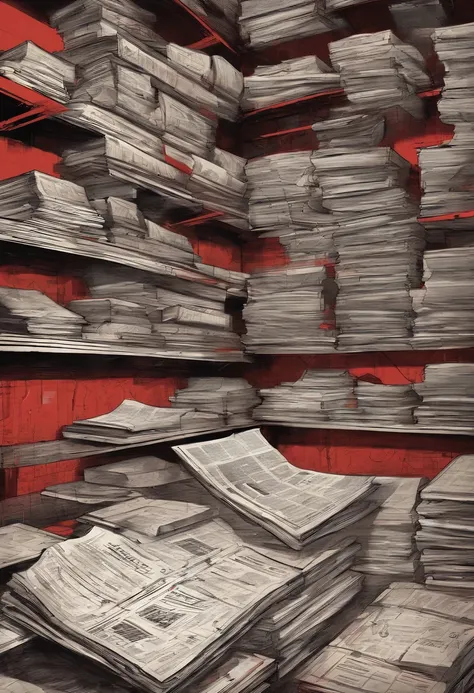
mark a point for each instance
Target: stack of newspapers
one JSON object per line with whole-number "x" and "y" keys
{"x": 283, "y": 192}
{"x": 288, "y": 80}
{"x": 409, "y": 639}
{"x": 379, "y": 72}
{"x": 253, "y": 478}
{"x": 318, "y": 396}
{"x": 136, "y": 422}
{"x": 387, "y": 535}
{"x": 110, "y": 319}
{"x": 47, "y": 207}
{"x": 127, "y": 228}
{"x": 160, "y": 614}
{"x": 27, "y": 311}
{"x": 302, "y": 244}
{"x": 263, "y": 24}
{"x": 365, "y": 192}
{"x": 232, "y": 398}
{"x": 55, "y": 79}
{"x": 136, "y": 472}
{"x": 89, "y": 494}
{"x": 184, "y": 315}
{"x": 289, "y": 310}
{"x": 447, "y": 394}
{"x": 386, "y": 405}
{"x": 348, "y": 126}
{"x": 454, "y": 45}
{"x": 11, "y": 637}
{"x": 443, "y": 306}
{"x": 446, "y": 537}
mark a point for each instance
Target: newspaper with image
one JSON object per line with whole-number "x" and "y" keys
{"x": 254, "y": 478}
{"x": 156, "y": 621}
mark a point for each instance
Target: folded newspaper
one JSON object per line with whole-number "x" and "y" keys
{"x": 296, "y": 505}
{"x": 136, "y": 472}
{"x": 20, "y": 543}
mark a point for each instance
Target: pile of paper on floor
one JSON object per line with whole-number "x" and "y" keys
{"x": 49, "y": 207}
{"x": 149, "y": 517}
{"x": 289, "y": 310}
{"x": 348, "y": 126}
{"x": 262, "y": 24}
{"x": 378, "y": 71}
{"x": 90, "y": 494}
{"x": 121, "y": 604}
{"x": 20, "y": 543}
{"x": 446, "y": 537}
{"x": 184, "y": 315}
{"x": 27, "y": 311}
{"x": 317, "y": 396}
{"x": 11, "y": 636}
{"x": 365, "y": 192}
{"x": 30, "y": 66}
{"x": 447, "y": 393}
{"x": 136, "y": 472}
{"x": 290, "y": 79}
{"x": 253, "y": 478}
{"x": 386, "y": 405}
{"x": 135, "y": 422}
{"x": 233, "y": 398}
{"x": 283, "y": 191}
{"x": 444, "y": 305}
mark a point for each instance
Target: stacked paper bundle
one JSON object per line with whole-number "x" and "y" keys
{"x": 113, "y": 320}
{"x": 299, "y": 510}
{"x": 348, "y": 126}
{"x": 364, "y": 190}
{"x": 127, "y": 228}
{"x": 303, "y": 244}
{"x": 55, "y": 78}
{"x": 54, "y": 209}
{"x": 386, "y": 405}
{"x": 26, "y": 311}
{"x": 378, "y": 71}
{"x": 262, "y": 24}
{"x": 443, "y": 307}
{"x": 136, "y": 472}
{"x": 135, "y": 422}
{"x": 184, "y": 315}
{"x": 407, "y": 639}
{"x": 289, "y": 310}
{"x": 317, "y": 396}
{"x": 11, "y": 637}
{"x": 454, "y": 45}
{"x": 446, "y": 537}
{"x": 232, "y": 398}
{"x": 226, "y": 592}
{"x": 283, "y": 192}
{"x": 290, "y": 79}
{"x": 447, "y": 393}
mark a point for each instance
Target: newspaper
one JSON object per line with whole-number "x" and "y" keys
{"x": 19, "y": 543}
{"x": 297, "y": 506}
{"x": 12, "y": 635}
{"x": 136, "y": 472}
{"x": 418, "y": 598}
{"x": 154, "y": 621}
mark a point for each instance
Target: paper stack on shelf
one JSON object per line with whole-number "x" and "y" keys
{"x": 378, "y": 71}
{"x": 138, "y": 604}
{"x": 283, "y": 192}
{"x": 232, "y": 398}
{"x": 347, "y": 126}
{"x": 136, "y": 472}
{"x": 83, "y": 20}
{"x": 135, "y": 422}
{"x": 27, "y": 311}
{"x": 364, "y": 190}
{"x": 147, "y": 516}
{"x": 110, "y": 319}
{"x": 289, "y": 310}
{"x": 21, "y": 543}
{"x": 263, "y": 24}
{"x": 90, "y": 494}
{"x": 446, "y": 537}
{"x": 44, "y": 72}
{"x": 443, "y": 306}
{"x": 11, "y": 636}
{"x": 386, "y": 405}
{"x": 297, "y": 506}
{"x": 447, "y": 394}
{"x": 318, "y": 396}
{"x": 415, "y": 21}
{"x": 454, "y": 45}
{"x": 290, "y": 79}
{"x": 49, "y": 207}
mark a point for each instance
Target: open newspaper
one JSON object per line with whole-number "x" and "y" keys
{"x": 157, "y": 619}
{"x": 298, "y": 506}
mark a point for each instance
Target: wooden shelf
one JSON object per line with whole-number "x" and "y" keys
{"x": 40, "y": 107}
{"x": 416, "y": 429}
{"x": 32, "y": 454}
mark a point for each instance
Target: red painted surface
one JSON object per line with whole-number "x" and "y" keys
{"x": 17, "y": 27}
{"x": 17, "y": 158}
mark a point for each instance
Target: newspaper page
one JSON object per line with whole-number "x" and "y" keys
{"x": 342, "y": 671}
{"x": 453, "y": 482}
{"x": 157, "y": 621}
{"x": 246, "y": 471}
{"x": 413, "y": 596}
{"x": 20, "y": 543}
